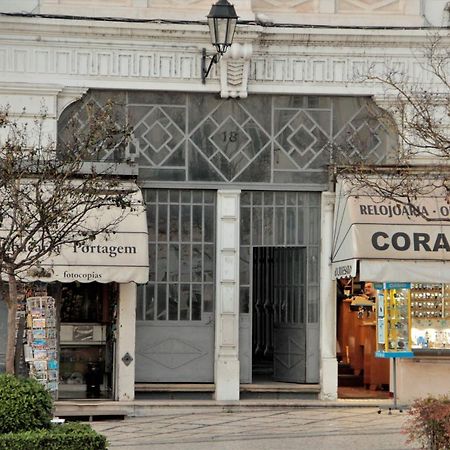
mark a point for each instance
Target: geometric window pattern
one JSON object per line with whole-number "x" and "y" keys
{"x": 264, "y": 139}
{"x": 181, "y": 235}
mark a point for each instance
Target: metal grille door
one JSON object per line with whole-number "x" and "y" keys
{"x": 175, "y": 316}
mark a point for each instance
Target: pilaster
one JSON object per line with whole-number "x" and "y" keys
{"x": 125, "y": 342}
{"x": 328, "y": 361}
{"x": 226, "y": 360}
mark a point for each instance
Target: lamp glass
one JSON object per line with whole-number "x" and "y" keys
{"x": 222, "y": 20}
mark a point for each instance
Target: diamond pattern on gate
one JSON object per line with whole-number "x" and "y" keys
{"x": 156, "y": 137}
{"x": 172, "y": 353}
{"x": 302, "y": 139}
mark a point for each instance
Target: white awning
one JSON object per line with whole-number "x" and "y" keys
{"x": 120, "y": 256}
{"x": 391, "y": 241}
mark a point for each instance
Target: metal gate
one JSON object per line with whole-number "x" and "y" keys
{"x": 175, "y": 314}
{"x": 279, "y": 304}
{"x": 279, "y": 332}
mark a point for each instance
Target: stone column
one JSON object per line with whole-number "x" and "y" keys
{"x": 328, "y": 361}
{"x": 126, "y": 342}
{"x": 226, "y": 355}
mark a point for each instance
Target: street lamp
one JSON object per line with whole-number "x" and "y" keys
{"x": 222, "y": 19}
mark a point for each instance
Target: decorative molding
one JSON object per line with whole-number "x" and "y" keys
{"x": 234, "y": 71}
{"x": 262, "y": 60}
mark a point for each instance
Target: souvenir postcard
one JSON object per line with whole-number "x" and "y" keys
{"x": 41, "y": 376}
{"x": 52, "y": 355}
{"x": 52, "y": 385}
{"x": 39, "y": 343}
{"x": 51, "y": 333}
{"x": 40, "y": 366}
{"x": 38, "y": 333}
{"x": 52, "y": 375}
{"x": 52, "y": 363}
{"x": 40, "y": 354}
{"x": 39, "y": 323}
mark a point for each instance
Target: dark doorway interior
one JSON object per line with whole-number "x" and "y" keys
{"x": 279, "y": 307}
{"x": 87, "y": 340}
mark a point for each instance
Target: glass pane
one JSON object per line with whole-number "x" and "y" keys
{"x": 185, "y": 262}
{"x": 268, "y": 198}
{"x": 290, "y": 226}
{"x": 209, "y": 224}
{"x": 244, "y": 266}
{"x": 197, "y": 257}
{"x": 174, "y": 223}
{"x": 279, "y": 226}
{"x": 257, "y": 226}
{"x": 196, "y": 302}
{"x": 268, "y": 226}
{"x": 208, "y": 305}
{"x": 245, "y": 198}
{"x": 197, "y": 196}
{"x": 210, "y": 197}
{"x": 161, "y": 312}
{"x": 184, "y": 301}
{"x": 150, "y": 195}
{"x": 152, "y": 261}
{"x": 245, "y": 226}
{"x": 173, "y": 302}
{"x": 291, "y": 198}
{"x": 186, "y": 223}
{"x": 208, "y": 269}
{"x": 174, "y": 259}
{"x": 301, "y": 227}
{"x": 257, "y": 198}
{"x": 279, "y": 198}
{"x": 185, "y": 196}
{"x": 174, "y": 196}
{"x": 162, "y": 196}
{"x": 162, "y": 222}
{"x": 151, "y": 222}
{"x": 197, "y": 225}
{"x": 162, "y": 263}
{"x": 140, "y": 304}
{"x": 244, "y": 300}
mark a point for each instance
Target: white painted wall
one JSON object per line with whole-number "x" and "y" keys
{"x": 420, "y": 377}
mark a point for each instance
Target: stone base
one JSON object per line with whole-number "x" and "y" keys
{"x": 328, "y": 379}
{"x": 227, "y": 380}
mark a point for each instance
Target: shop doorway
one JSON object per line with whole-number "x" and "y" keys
{"x": 278, "y": 310}
{"x": 87, "y": 319}
{"x": 360, "y": 373}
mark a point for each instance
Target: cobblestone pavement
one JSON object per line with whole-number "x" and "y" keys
{"x": 259, "y": 429}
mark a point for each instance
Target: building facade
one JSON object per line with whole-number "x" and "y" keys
{"x": 234, "y": 172}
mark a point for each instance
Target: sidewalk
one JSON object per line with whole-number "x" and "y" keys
{"x": 257, "y": 427}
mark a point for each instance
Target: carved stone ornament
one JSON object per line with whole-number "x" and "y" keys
{"x": 127, "y": 359}
{"x": 234, "y": 71}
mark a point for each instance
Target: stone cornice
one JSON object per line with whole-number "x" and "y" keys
{"x": 88, "y": 54}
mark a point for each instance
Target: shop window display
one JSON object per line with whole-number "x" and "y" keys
{"x": 430, "y": 315}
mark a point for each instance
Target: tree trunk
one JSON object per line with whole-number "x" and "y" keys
{"x": 11, "y": 301}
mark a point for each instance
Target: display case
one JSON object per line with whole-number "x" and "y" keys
{"x": 430, "y": 316}
{"x": 394, "y": 320}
